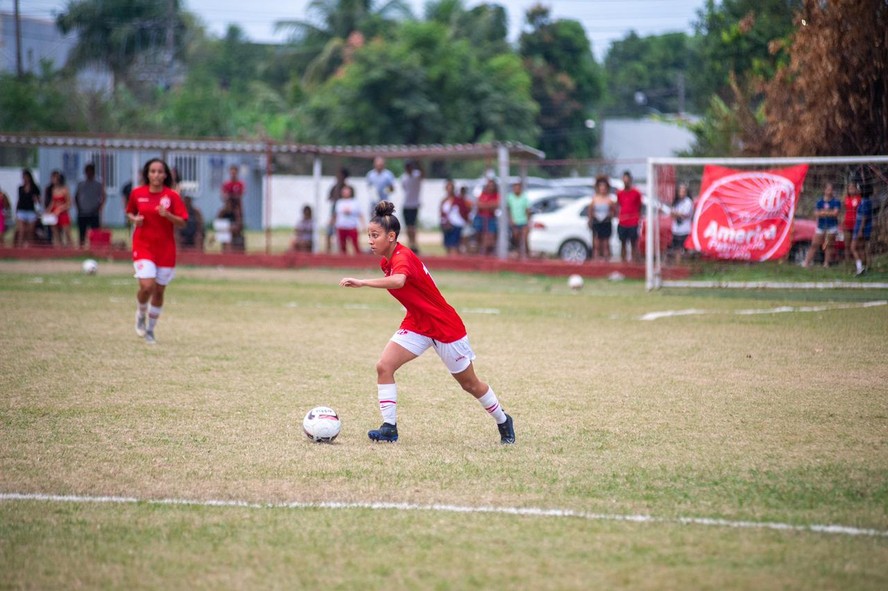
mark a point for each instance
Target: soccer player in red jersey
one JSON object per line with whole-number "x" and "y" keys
{"x": 155, "y": 211}
{"x": 430, "y": 322}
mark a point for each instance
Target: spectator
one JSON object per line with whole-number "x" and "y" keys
{"x": 468, "y": 209}
{"x": 519, "y": 216}
{"x": 827, "y": 214}
{"x": 411, "y": 182}
{"x": 601, "y": 219}
{"x": 224, "y": 224}
{"x": 191, "y": 235}
{"x": 90, "y": 200}
{"x": 485, "y": 218}
{"x": 125, "y": 194}
{"x": 863, "y": 227}
{"x": 335, "y": 193}
{"x": 852, "y": 201}
{"x": 348, "y": 220}
{"x": 43, "y": 231}
{"x": 303, "y": 241}
{"x": 629, "y": 207}
{"x": 381, "y": 182}
{"x": 682, "y": 218}
{"x": 156, "y": 211}
{"x": 60, "y": 207}
{"x": 454, "y": 216}
{"x": 26, "y": 209}
{"x": 233, "y": 193}
{"x": 5, "y": 215}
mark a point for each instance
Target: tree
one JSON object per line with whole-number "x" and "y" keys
{"x": 648, "y": 73}
{"x": 422, "y": 87}
{"x": 485, "y": 27}
{"x": 566, "y": 82}
{"x": 115, "y": 33}
{"x": 739, "y": 45}
{"x": 832, "y": 96}
{"x": 736, "y": 36}
{"x": 335, "y": 27}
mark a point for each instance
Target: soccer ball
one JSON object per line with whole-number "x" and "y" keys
{"x": 90, "y": 267}
{"x": 575, "y": 282}
{"x": 321, "y": 424}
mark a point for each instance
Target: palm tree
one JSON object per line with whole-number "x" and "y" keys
{"x": 323, "y": 40}
{"x": 115, "y": 33}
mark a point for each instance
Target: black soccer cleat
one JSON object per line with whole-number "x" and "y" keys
{"x": 507, "y": 431}
{"x": 386, "y": 432}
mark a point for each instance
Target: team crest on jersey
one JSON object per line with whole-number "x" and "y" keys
{"x": 165, "y": 202}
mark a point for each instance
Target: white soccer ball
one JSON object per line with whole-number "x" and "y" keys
{"x": 575, "y": 282}
{"x": 90, "y": 267}
{"x": 321, "y": 424}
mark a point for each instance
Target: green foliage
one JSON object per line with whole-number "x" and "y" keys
{"x": 655, "y": 66}
{"x": 422, "y": 87}
{"x": 115, "y": 33}
{"x": 567, "y": 83}
{"x": 35, "y": 103}
{"x": 735, "y": 36}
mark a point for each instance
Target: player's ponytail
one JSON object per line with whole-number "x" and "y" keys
{"x": 385, "y": 217}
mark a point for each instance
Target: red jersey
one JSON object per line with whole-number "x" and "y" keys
{"x": 155, "y": 239}
{"x": 629, "y": 201}
{"x": 851, "y": 203}
{"x": 428, "y": 313}
{"x": 233, "y": 189}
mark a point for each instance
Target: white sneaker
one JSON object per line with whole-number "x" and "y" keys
{"x": 140, "y": 324}
{"x": 149, "y": 338}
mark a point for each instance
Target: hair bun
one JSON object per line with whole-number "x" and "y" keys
{"x": 384, "y": 208}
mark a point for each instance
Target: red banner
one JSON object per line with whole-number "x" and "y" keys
{"x": 746, "y": 214}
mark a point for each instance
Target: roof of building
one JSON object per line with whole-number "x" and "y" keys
{"x": 516, "y": 150}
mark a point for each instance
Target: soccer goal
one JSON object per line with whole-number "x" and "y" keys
{"x": 753, "y": 209}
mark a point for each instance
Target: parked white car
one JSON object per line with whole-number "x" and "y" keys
{"x": 565, "y": 233}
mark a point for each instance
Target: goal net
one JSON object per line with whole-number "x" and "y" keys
{"x": 753, "y": 209}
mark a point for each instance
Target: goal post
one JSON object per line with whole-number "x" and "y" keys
{"x": 751, "y": 209}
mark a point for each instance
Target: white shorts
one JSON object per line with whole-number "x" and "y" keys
{"x": 828, "y": 231}
{"x": 457, "y": 356}
{"x": 146, "y": 269}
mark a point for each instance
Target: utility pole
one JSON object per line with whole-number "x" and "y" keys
{"x": 18, "y": 41}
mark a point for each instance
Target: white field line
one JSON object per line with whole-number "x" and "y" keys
{"x": 753, "y": 311}
{"x": 779, "y": 284}
{"x": 521, "y": 511}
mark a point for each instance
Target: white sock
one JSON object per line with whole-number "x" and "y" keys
{"x": 492, "y": 406}
{"x": 142, "y": 309}
{"x": 153, "y": 315}
{"x": 859, "y": 264}
{"x": 388, "y": 402}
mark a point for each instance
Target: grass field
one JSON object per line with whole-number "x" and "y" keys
{"x": 766, "y": 408}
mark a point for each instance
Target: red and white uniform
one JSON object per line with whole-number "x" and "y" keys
{"x": 155, "y": 239}
{"x": 428, "y": 313}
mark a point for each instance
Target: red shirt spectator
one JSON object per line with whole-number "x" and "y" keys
{"x": 852, "y": 200}
{"x": 629, "y": 202}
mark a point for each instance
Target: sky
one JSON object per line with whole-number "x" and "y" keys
{"x": 604, "y": 20}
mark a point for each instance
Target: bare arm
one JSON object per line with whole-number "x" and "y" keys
{"x": 391, "y": 282}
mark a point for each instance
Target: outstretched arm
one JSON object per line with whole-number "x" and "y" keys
{"x": 390, "y": 282}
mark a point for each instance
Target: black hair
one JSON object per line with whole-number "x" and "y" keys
{"x": 167, "y": 182}
{"x": 385, "y": 217}
{"x": 627, "y": 173}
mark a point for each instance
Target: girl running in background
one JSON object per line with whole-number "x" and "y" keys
{"x": 430, "y": 322}
{"x": 155, "y": 211}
